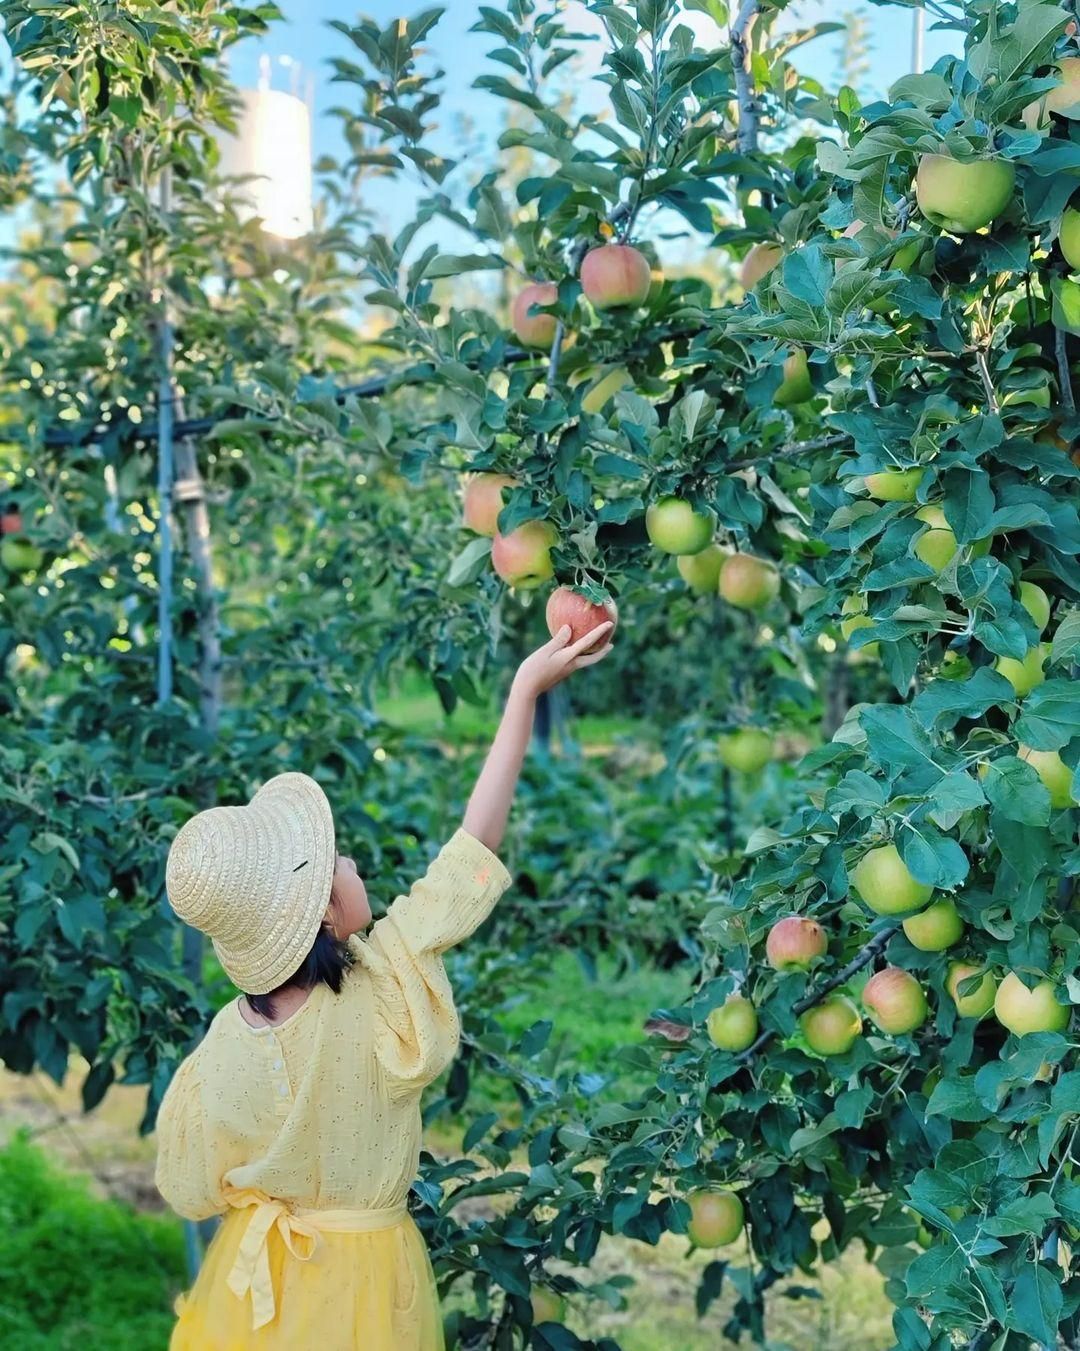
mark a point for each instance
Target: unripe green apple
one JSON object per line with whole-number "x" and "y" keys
{"x": 1022, "y": 1010}
{"x": 1024, "y": 675}
{"x": 746, "y": 750}
{"x": 794, "y": 942}
{"x": 733, "y": 1025}
{"x": 936, "y": 547}
{"x": 534, "y": 330}
{"x": 1035, "y": 600}
{"x": 1064, "y": 100}
{"x": 895, "y": 1001}
{"x": 701, "y": 571}
{"x": 675, "y": 527}
{"x": 758, "y": 263}
{"x": 936, "y": 928}
{"x": 1069, "y": 238}
{"x": 716, "y": 1218}
{"x": 894, "y": 485}
{"x": 981, "y": 1000}
{"x": 796, "y": 386}
{"x": 523, "y": 557}
{"x": 886, "y": 886}
{"x": 963, "y": 196}
{"x": 855, "y": 608}
{"x": 1054, "y": 772}
{"x": 831, "y": 1027}
{"x": 548, "y": 1306}
{"x": 608, "y": 385}
{"x": 614, "y": 275}
{"x": 19, "y": 555}
{"x": 747, "y": 582}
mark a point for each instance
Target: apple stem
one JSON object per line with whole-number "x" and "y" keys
{"x": 863, "y": 957}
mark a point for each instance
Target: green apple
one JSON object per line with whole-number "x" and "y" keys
{"x": 701, "y": 571}
{"x": 733, "y": 1025}
{"x": 894, "y": 485}
{"x": 855, "y": 608}
{"x": 548, "y": 1306}
{"x": 747, "y": 750}
{"x": 1054, "y": 772}
{"x": 1035, "y": 600}
{"x": 1024, "y": 675}
{"x": 19, "y": 555}
{"x": 980, "y": 1001}
{"x": 758, "y": 263}
{"x": 605, "y": 388}
{"x": 886, "y": 886}
{"x": 716, "y": 1218}
{"x": 1069, "y": 238}
{"x": 675, "y": 527}
{"x": 796, "y": 386}
{"x": 895, "y": 1001}
{"x": 747, "y": 582}
{"x": 831, "y": 1027}
{"x": 1022, "y": 1010}
{"x": 936, "y": 928}
{"x": 963, "y": 196}
{"x": 936, "y": 547}
{"x": 1063, "y": 100}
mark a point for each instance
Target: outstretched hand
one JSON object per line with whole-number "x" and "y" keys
{"x": 557, "y": 659}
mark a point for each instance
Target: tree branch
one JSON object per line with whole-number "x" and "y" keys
{"x": 863, "y": 957}
{"x": 987, "y": 383}
{"x": 1065, "y": 388}
{"x": 747, "y": 139}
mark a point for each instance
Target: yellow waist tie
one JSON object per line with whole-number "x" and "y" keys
{"x": 301, "y": 1232}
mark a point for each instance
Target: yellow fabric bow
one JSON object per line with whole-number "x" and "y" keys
{"x": 250, "y": 1273}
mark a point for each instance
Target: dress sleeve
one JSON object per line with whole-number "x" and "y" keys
{"x": 417, "y": 1029}
{"x": 185, "y": 1173}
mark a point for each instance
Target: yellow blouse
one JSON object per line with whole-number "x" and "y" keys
{"x": 322, "y": 1111}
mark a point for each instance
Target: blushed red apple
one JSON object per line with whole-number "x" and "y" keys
{"x": 582, "y": 615}
{"x": 534, "y": 330}
{"x": 523, "y": 557}
{"x": 484, "y": 500}
{"x": 614, "y": 275}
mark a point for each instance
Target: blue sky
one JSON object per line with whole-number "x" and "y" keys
{"x": 305, "y": 38}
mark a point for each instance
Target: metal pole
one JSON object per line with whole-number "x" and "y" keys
{"x": 165, "y": 478}
{"x": 918, "y": 33}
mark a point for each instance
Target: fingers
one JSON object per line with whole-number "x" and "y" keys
{"x": 559, "y": 640}
{"x": 591, "y": 658}
{"x": 590, "y": 639}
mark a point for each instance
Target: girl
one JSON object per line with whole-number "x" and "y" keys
{"x": 298, "y": 1116}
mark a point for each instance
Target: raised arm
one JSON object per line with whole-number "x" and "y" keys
{"x": 489, "y": 805}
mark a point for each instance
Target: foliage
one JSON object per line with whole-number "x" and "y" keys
{"x": 949, "y": 353}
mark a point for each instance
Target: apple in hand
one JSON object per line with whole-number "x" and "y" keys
{"x": 675, "y": 527}
{"x": 613, "y": 275}
{"x": 567, "y": 607}
{"x": 895, "y": 1001}
{"x": 534, "y": 330}
{"x": 484, "y": 500}
{"x": 980, "y": 1001}
{"x": 886, "y": 886}
{"x": 794, "y": 942}
{"x": 716, "y": 1218}
{"x": 936, "y": 928}
{"x": 747, "y": 582}
{"x": 733, "y": 1025}
{"x": 1022, "y": 1010}
{"x": 746, "y": 750}
{"x": 831, "y": 1027}
{"x": 523, "y": 557}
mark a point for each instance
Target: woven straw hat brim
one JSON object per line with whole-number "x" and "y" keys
{"x": 257, "y": 879}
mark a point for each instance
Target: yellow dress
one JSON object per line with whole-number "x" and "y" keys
{"x": 306, "y": 1137}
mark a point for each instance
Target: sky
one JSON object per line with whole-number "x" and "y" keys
{"x": 299, "y": 51}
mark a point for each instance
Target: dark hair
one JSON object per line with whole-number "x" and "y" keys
{"x": 327, "y": 963}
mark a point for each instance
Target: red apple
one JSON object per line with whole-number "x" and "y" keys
{"x": 534, "y": 330}
{"x": 484, "y": 501}
{"x": 11, "y": 522}
{"x": 794, "y": 942}
{"x": 571, "y": 607}
{"x": 894, "y": 1000}
{"x": 523, "y": 558}
{"x": 758, "y": 263}
{"x": 615, "y": 274}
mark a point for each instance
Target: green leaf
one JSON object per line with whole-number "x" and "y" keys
{"x": 808, "y": 275}
{"x": 932, "y": 858}
{"x": 470, "y": 562}
{"x": 957, "y": 1100}
{"x": 451, "y": 264}
{"x": 1015, "y": 790}
{"x": 1050, "y": 716}
{"x": 895, "y": 739}
{"x": 1036, "y": 1302}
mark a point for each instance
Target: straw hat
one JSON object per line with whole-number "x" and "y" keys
{"x": 256, "y": 879}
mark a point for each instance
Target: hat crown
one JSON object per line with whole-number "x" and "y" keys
{"x": 256, "y": 879}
